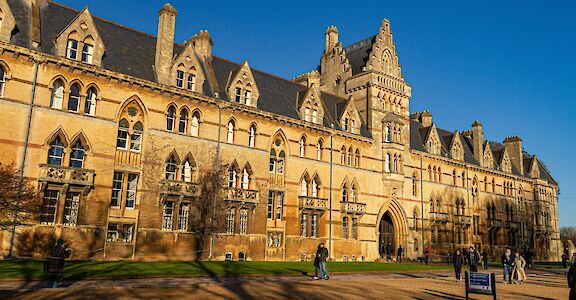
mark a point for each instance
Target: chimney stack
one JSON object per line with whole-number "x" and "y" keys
{"x": 331, "y": 38}
{"x": 477, "y": 141}
{"x": 513, "y": 145}
{"x": 203, "y": 44}
{"x": 165, "y": 43}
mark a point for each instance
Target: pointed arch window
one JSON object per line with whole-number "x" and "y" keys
{"x": 357, "y": 158}
{"x": 345, "y": 193}
{"x": 183, "y": 122}
{"x": 230, "y": 134}
{"x": 302, "y": 146}
{"x": 387, "y": 163}
{"x": 272, "y": 165}
{"x": 77, "y": 155}
{"x": 74, "y": 98}
{"x": 136, "y": 137}
{"x": 195, "y": 122}
{"x": 122, "y": 139}
{"x": 2, "y": 75}
{"x": 414, "y": 184}
{"x": 191, "y": 82}
{"x": 315, "y": 188}
{"x": 343, "y": 155}
{"x": 387, "y": 134}
{"x": 90, "y": 103}
{"x": 303, "y": 187}
{"x": 353, "y": 194}
{"x": 349, "y": 157}
{"x": 170, "y": 118}
{"x": 186, "y": 171}
{"x": 252, "y": 136}
{"x": 245, "y": 179}
{"x": 247, "y": 97}
{"x": 56, "y": 152}
{"x": 281, "y": 159}
{"x": 171, "y": 167}
{"x": 180, "y": 77}
{"x": 71, "y": 48}
{"x": 57, "y": 96}
{"x": 87, "y": 53}
{"x": 232, "y": 174}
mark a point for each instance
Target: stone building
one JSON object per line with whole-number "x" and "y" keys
{"x": 333, "y": 155}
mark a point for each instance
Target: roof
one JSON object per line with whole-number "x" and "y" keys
{"x": 132, "y": 52}
{"x": 358, "y": 53}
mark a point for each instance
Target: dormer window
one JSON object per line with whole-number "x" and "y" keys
{"x": 87, "y": 53}
{"x": 307, "y": 114}
{"x": 314, "y": 116}
{"x": 247, "y": 96}
{"x": 238, "y": 95}
{"x": 72, "y": 49}
{"x": 180, "y": 78}
{"x": 191, "y": 84}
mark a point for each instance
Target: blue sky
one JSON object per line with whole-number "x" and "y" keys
{"x": 508, "y": 64}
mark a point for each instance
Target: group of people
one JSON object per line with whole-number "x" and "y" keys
{"x": 469, "y": 257}
{"x": 513, "y": 264}
{"x": 388, "y": 250}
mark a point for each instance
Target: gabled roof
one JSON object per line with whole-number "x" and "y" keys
{"x": 358, "y": 53}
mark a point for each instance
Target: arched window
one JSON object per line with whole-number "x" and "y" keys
{"x": 191, "y": 82}
{"x": 247, "y": 96}
{"x": 74, "y": 98}
{"x": 357, "y": 158}
{"x": 414, "y": 184}
{"x": 183, "y": 122}
{"x": 2, "y": 76}
{"x": 387, "y": 163}
{"x": 395, "y": 164}
{"x": 230, "y": 134}
{"x": 180, "y": 76}
{"x": 415, "y": 219}
{"x": 72, "y": 47}
{"x": 319, "y": 150}
{"x": 302, "y": 146}
{"x": 232, "y": 174}
{"x": 87, "y": 53}
{"x": 136, "y": 138}
{"x": 315, "y": 188}
{"x": 56, "y": 152}
{"x": 186, "y": 171}
{"x": 345, "y": 193}
{"x": 245, "y": 179}
{"x": 195, "y": 130}
{"x": 252, "y": 136}
{"x": 464, "y": 179}
{"x": 272, "y": 166}
{"x": 281, "y": 158}
{"x": 77, "y": 155}
{"x": 353, "y": 194}
{"x": 387, "y": 134}
{"x": 349, "y": 157}
{"x": 171, "y": 168}
{"x": 170, "y": 118}
{"x": 57, "y": 96}
{"x": 432, "y": 204}
{"x": 122, "y": 139}
{"x": 454, "y": 177}
{"x": 90, "y": 103}
{"x": 343, "y": 155}
{"x": 303, "y": 188}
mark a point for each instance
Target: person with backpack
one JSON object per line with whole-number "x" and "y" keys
{"x": 54, "y": 265}
{"x": 458, "y": 262}
{"x": 322, "y": 254}
{"x": 507, "y": 262}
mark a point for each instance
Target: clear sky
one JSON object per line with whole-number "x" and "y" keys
{"x": 508, "y": 64}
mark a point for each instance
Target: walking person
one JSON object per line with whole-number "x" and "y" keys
{"x": 507, "y": 265}
{"x": 485, "y": 259}
{"x": 572, "y": 279}
{"x": 54, "y": 265}
{"x": 389, "y": 252}
{"x": 458, "y": 262}
{"x": 426, "y": 255}
{"x": 322, "y": 254}
{"x": 316, "y": 263}
{"x": 473, "y": 259}
{"x": 399, "y": 254}
{"x": 381, "y": 250}
{"x": 518, "y": 272}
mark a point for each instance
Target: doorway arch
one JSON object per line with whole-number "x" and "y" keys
{"x": 391, "y": 225}
{"x": 386, "y": 228}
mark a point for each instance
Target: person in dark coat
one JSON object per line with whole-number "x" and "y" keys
{"x": 399, "y": 254}
{"x": 426, "y": 255}
{"x": 389, "y": 252}
{"x": 381, "y": 250}
{"x": 572, "y": 279}
{"x": 322, "y": 254}
{"x": 485, "y": 260}
{"x": 458, "y": 262}
{"x": 473, "y": 259}
{"x": 507, "y": 262}
{"x": 54, "y": 265}
{"x": 316, "y": 263}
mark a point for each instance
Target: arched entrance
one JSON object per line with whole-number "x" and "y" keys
{"x": 387, "y": 232}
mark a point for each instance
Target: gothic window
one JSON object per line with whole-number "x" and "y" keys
{"x": 171, "y": 167}
{"x": 387, "y": 163}
{"x": 314, "y": 226}
{"x": 72, "y": 47}
{"x": 117, "y": 183}
{"x": 357, "y": 158}
{"x": 230, "y": 219}
{"x": 279, "y": 205}
{"x": 353, "y": 194}
{"x": 90, "y": 103}
{"x": 245, "y": 179}
{"x": 124, "y": 186}
{"x": 387, "y": 134}
{"x": 87, "y": 52}
{"x": 191, "y": 82}
{"x": 303, "y": 224}
{"x": 414, "y": 184}
{"x": 2, "y": 78}
{"x": 167, "y": 214}
{"x": 343, "y": 155}
{"x": 195, "y": 122}
{"x": 183, "y": 121}
{"x": 272, "y": 165}
{"x": 345, "y": 193}
{"x": 74, "y": 98}
{"x": 281, "y": 159}
{"x": 247, "y": 96}
{"x": 170, "y": 118}
{"x": 187, "y": 171}
{"x": 345, "y": 227}
{"x": 77, "y": 155}
{"x": 57, "y": 95}
{"x": 122, "y": 138}
{"x": 180, "y": 76}
{"x": 136, "y": 137}
{"x": 349, "y": 156}
{"x": 454, "y": 177}
{"x": 319, "y": 150}
{"x": 252, "y": 136}
{"x": 270, "y": 205}
{"x": 315, "y": 189}
{"x": 230, "y": 132}
{"x": 56, "y": 152}
{"x": 302, "y": 146}
{"x": 183, "y": 216}
{"x": 131, "y": 190}
{"x": 232, "y": 177}
{"x": 238, "y": 95}
{"x": 464, "y": 180}
{"x": 303, "y": 187}
{"x": 415, "y": 219}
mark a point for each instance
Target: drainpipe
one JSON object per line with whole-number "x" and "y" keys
{"x": 468, "y": 201}
{"x": 422, "y": 201}
{"x": 217, "y": 170}
{"x": 23, "y": 162}
{"x": 330, "y": 194}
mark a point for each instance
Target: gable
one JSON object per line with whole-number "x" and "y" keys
{"x": 488, "y": 160}
{"x": 189, "y": 62}
{"x": 456, "y": 147}
{"x": 310, "y": 105}
{"x": 383, "y": 56}
{"x": 432, "y": 141}
{"x": 349, "y": 117}
{"x": 242, "y": 86}
{"x": 83, "y": 30}
{"x": 505, "y": 163}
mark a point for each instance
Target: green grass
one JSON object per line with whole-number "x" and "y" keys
{"x": 27, "y": 269}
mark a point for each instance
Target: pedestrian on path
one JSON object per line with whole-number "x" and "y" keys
{"x": 458, "y": 264}
{"x": 426, "y": 255}
{"x": 572, "y": 279}
{"x": 507, "y": 265}
{"x": 316, "y": 263}
{"x": 473, "y": 259}
{"x": 518, "y": 272}
{"x": 322, "y": 254}
{"x": 399, "y": 254}
{"x": 389, "y": 252}
{"x": 485, "y": 259}
{"x": 54, "y": 265}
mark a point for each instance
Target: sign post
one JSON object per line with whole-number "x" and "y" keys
{"x": 480, "y": 283}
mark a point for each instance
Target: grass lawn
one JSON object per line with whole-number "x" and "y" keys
{"x": 28, "y": 269}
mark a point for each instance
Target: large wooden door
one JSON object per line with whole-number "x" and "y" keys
{"x": 386, "y": 232}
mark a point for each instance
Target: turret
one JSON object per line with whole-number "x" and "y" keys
{"x": 165, "y": 43}
{"x": 331, "y": 38}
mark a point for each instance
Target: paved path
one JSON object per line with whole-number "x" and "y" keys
{"x": 396, "y": 285}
